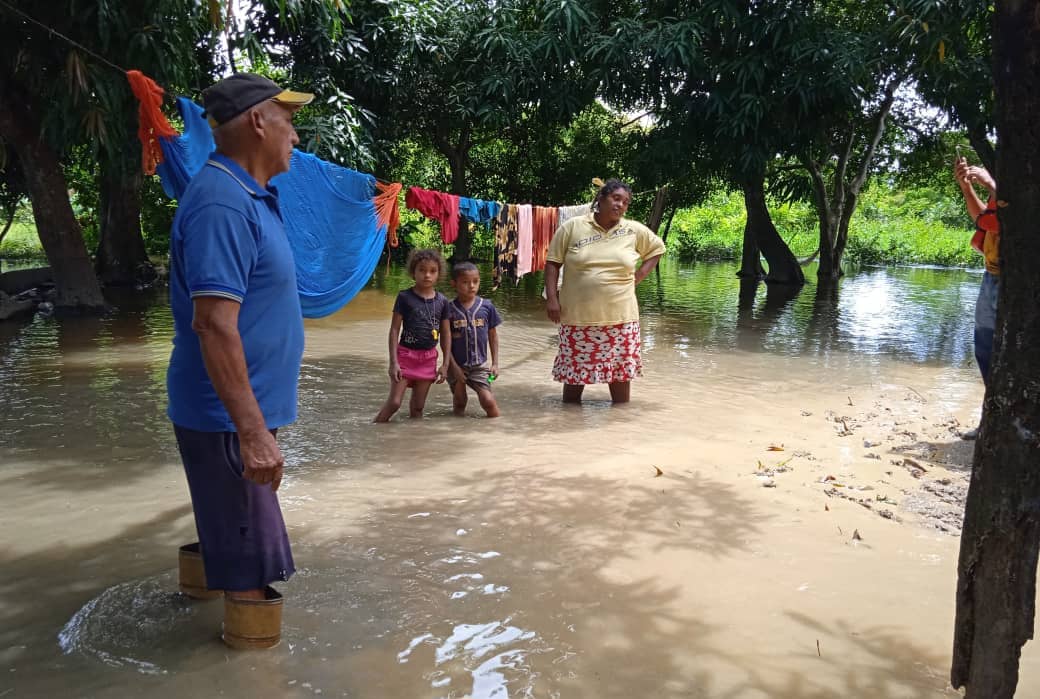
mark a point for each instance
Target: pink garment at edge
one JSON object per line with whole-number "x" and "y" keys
{"x": 524, "y": 240}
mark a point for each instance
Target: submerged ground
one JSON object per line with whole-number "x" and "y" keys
{"x": 775, "y": 514}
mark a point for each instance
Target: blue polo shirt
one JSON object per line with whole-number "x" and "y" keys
{"x": 228, "y": 240}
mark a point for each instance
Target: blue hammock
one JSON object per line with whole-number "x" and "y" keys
{"x": 330, "y": 218}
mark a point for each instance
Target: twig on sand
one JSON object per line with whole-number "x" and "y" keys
{"x": 818, "y": 648}
{"x": 923, "y": 399}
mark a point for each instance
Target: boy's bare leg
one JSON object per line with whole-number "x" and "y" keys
{"x": 620, "y": 391}
{"x": 487, "y": 402}
{"x": 418, "y": 401}
{"x": 459, "y": 398}
{"x": 572, "y": 393}
{"x": 393, "y": 403}
{"x": 246, "y": 594}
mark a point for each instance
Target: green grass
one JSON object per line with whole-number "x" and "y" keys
{"x": 889, "y": 227}
{"x": 21, "y": 242}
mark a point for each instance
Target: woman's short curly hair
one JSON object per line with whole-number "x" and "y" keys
{"x": 430, "y": 255}
{"x": 611, "y": 186}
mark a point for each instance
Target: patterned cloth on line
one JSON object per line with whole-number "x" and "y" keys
{"x": 329, "y": 214}
{"x": 505, "y": 246}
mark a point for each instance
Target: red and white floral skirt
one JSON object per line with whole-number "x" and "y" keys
{"x": 598, "y": 354}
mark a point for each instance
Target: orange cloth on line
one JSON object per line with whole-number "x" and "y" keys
{"x": 388, "y": 209}
{"x": 151, "y": 123}
{"x": 545, "y": 218}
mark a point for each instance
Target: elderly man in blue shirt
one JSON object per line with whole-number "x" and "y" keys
{"x": 238, "y": 342}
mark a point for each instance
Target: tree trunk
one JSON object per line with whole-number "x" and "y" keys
{"x": 996, "y": 586}
{"x": 9, "y": 215}
{"x": 459, "y": 162}
{"x": 783, "y": 265}
{"x": 839, "y": 240}
{"x": 750, "y": 257}
{"x": 657, "y": 212}
{"x": 121, "y": 256}
{"x": 76, "y": 284}
{"x": 668, "y": 225}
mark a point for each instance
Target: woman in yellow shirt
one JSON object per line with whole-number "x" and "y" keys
{"x": 606, "y": 256}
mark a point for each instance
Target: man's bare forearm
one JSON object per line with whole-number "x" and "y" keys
{"x": 225, "y": 362}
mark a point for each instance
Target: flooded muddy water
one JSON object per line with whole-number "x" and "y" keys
{"x": 698, "y": 542}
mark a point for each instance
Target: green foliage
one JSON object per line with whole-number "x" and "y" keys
{"x": 916, "y": 226}
{"x": 21, "y": 242}
{"x": 714, "y": 230}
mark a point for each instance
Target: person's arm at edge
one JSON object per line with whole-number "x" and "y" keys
{"x": 552, "y": 293}
{"x": 394, "y": 369}
{"x": 445, "y": 338}
{"x": 963, "y": 174}
{"x": 647, "y": 267}
{"x": 493, "y": 346}
{"x": 215, "y": 322}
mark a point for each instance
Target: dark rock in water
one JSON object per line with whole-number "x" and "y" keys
{"x": 24, "y": 279}
{"x": 13, "y": 307}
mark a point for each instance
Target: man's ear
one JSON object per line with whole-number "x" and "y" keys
{"x": 257, "y": 120}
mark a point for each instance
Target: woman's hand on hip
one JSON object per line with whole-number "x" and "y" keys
{"x": 552, "y": 309}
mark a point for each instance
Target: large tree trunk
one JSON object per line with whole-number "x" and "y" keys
{"x": 783, "y": 265}
{"x": 996, "y": 586}
{"x": 121, "y": 256}
{"x": 60, "y": 234}
{"x": 459, "y": 162}
{"x": 457, "y": 154}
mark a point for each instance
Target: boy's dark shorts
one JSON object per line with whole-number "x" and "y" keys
{"x": 477, "y": 377}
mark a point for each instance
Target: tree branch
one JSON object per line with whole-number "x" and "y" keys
{"x": 879, "y": 131}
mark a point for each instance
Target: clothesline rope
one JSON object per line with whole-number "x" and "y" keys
{"x": 55, "y": 32}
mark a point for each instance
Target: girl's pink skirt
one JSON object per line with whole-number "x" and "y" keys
{"x": 417, "y": 365}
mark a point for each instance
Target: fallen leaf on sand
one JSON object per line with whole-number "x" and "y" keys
{"x": 856, "y": 536}
{"x": 826, "y": 508}
{"x": 775, "y": 447}
{"x": 659, "y": 472}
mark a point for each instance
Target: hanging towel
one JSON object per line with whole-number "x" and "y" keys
{"x": 478, "y": 210}
{"x": 439, "y": 206}
{"x": 505, "y": 245}
{"x": 330, "y": 217}
{"x": 388, "y": 211}
{"x": 567, "y": 212}
{"x": 524, "y": 240}
{"x": 544, "y": 226}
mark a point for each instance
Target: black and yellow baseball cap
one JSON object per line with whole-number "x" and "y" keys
{"x": 233, "y": 95}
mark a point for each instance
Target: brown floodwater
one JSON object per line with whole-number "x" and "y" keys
{"x": 537, "y": 555}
